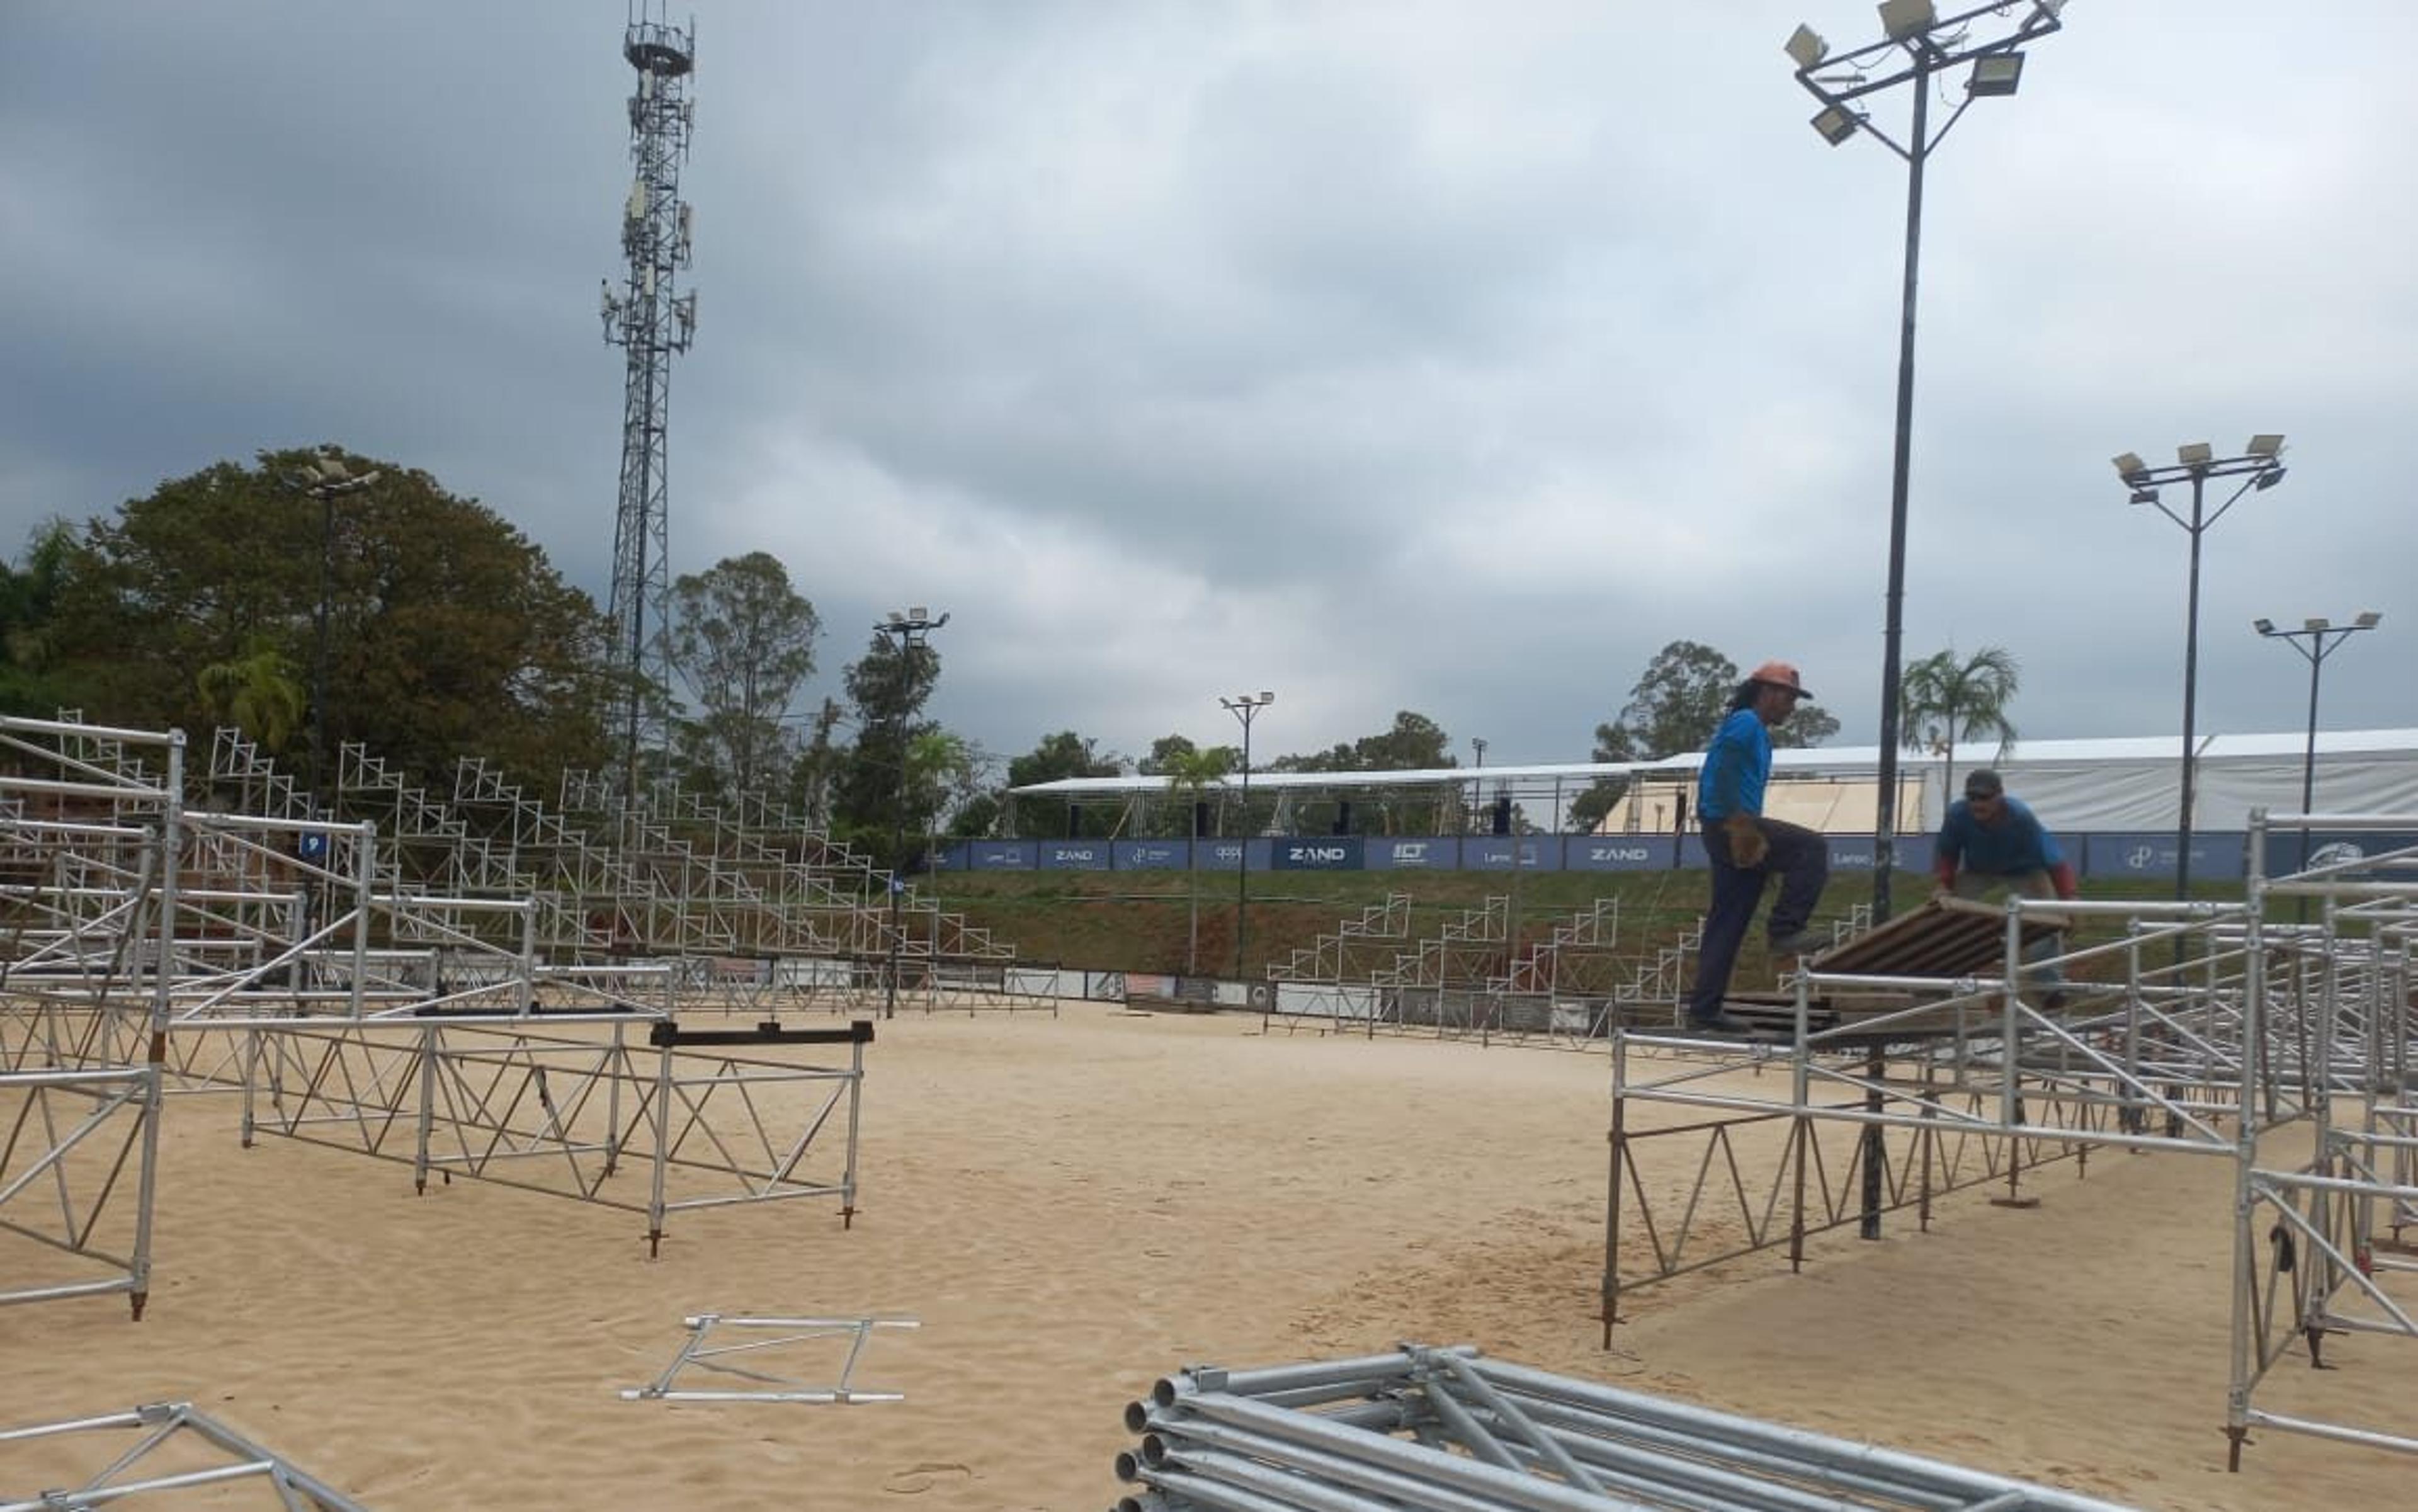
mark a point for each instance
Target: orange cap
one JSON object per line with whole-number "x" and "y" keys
{"x": 1780, "y": 674}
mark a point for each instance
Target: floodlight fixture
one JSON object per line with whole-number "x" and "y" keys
{"x": 2264, "y": 627}
{"x": 2368, "y": 620}
{"x": 2195, "y": 453}
{"x": 2129, "y": 465}
{"x": 1994, "y": 74}
{"x": 1836, "y": 123}
{"x": 2145, "y": 496}
{"x": 2265, "y": 444}
{"x": 1902, "y": 19}
{"x": 2266, "y": 479}
{"x": 919, "y": 612}
{"x": 2315, "y": 626}
{"x": 1805, "y": 48}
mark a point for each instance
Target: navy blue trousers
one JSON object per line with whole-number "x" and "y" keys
{"x": 1802, "y": 859}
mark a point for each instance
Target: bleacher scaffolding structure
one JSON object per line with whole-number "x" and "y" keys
{"x": 430, "y": 990}
{"x": 1929, "y": 1057}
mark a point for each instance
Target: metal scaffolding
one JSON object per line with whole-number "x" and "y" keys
{"x": 160, "y": 1452}
{"x": 2202, "y": 1027}
{"x": 1451, "y": 1430}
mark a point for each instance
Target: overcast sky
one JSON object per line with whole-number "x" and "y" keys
{"x": 1451, "y": 357}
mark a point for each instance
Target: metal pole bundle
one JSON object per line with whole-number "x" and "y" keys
{"x": 1449, "y": 1430}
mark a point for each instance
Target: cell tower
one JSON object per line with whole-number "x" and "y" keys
{"x": 653, "y": 321}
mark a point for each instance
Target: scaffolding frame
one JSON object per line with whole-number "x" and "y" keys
{"x": 2209, "y": 1027}
{"x": 163, "y": 1432}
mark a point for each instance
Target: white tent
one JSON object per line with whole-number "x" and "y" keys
{"x": 2128, "y": 784}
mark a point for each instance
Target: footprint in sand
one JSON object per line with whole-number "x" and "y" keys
{"x": 916, "y": 1479}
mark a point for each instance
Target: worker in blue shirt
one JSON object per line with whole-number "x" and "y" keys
{"x": 1990, "y": 843}
{"x": 1745, "y": 847}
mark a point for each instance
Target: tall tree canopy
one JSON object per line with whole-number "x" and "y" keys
{"x": 1674, "y": 708}
{"x": 1067, "y": 754}
{"x": 29, "y": 591}
{"x": 1943, "y": 698}
{"x": 447, "y": 630}
{"x": 1412, "y": 742}
{"x": 743, "y": 642}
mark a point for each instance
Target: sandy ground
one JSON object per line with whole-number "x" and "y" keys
{"x": 1073, "y": 1206}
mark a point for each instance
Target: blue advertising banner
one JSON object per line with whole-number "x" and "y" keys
{"x": 2215, "y": 858}
{"x": 1381, "y": 853}
{"x": 1075, "y": 855}
{"x": 1621, "y": 853}
{"x": 1336, "y": 853}
{"x": 1151, "y": 855}
{"x": 1221, "y": 855}
{"x": 953, "y": 857}
{"x": 1493, "y": 853}
{"x": 2328, "y": 848}
{"x": 1004, "y": 855}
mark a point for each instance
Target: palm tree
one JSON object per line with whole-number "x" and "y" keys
{"x": 259, "y": 693}
{"x": 1939, "y": 697}
{"x": 1190, "y": 773}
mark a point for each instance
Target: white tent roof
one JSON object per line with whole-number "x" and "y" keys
{"x": 2132, "y": 783}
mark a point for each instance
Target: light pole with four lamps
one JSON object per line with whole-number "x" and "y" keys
{"x": 2260, "y": 466}
{"x": 2316, "y": 640}
{"x": 910, "y": 629}
{"x": 1244, "y": 707}
{"x": 1932, "y": 45}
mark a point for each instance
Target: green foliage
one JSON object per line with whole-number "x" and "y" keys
{"x": 447, "y": 630}
{"x": 887, "y": 689}
{"x": 1941, "y": 697}
{"x": 29, "y": 680}
{"x": 944, "y": 774}
{"x": 743, "y": 641}
{"x": 260, "y": 693}
{"x": 1807, "y": 724}
{"x": 1190, "y": 774}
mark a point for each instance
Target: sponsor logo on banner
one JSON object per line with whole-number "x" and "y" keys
{"x": 1341, "y": 854}
{"x": 1410, "y": 852}
{"x": 1619, "y": 853}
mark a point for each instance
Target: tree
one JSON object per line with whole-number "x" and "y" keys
{"x": 1164, "y": 752}
{"x": 29, "y": 593}
{"x": 944, "y": 774}
{"x": 1190, "y": 775}
{"x": 743, "y": 641}
{"x": 1807, "y": 724}
{"x": 1941, "y": 696}
{"x": 448, "y": 629}
{"x": 1066, "y": 754}
{"x": 259, "y": 694}
{"x": 1675, "y": 706}
{"x": 887, "y": 689}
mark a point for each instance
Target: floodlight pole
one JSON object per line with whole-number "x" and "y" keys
{"x": 910, "y": 629}
{"x": 2316, "y": 640}
{"x": 1244, "y": 707}
{"x": 2261, "y": 470}
{"x": 1931, "y": 46}
{"x": 327, "y": 480}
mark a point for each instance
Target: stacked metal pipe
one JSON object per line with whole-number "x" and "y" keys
{"x": 1449, "y": 1430}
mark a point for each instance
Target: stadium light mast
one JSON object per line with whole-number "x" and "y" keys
{"x": 2316, "y": 640}
{"x": 1929, "y": 46}
{"x": 910, "y": 630}
{"x": 1244, "y": 707}
{"x": 2260, "y": 466}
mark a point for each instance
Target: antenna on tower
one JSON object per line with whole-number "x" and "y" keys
{"x": 652, "y": 319}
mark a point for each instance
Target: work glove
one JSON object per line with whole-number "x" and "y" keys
{"x": 1747, "y": 844}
